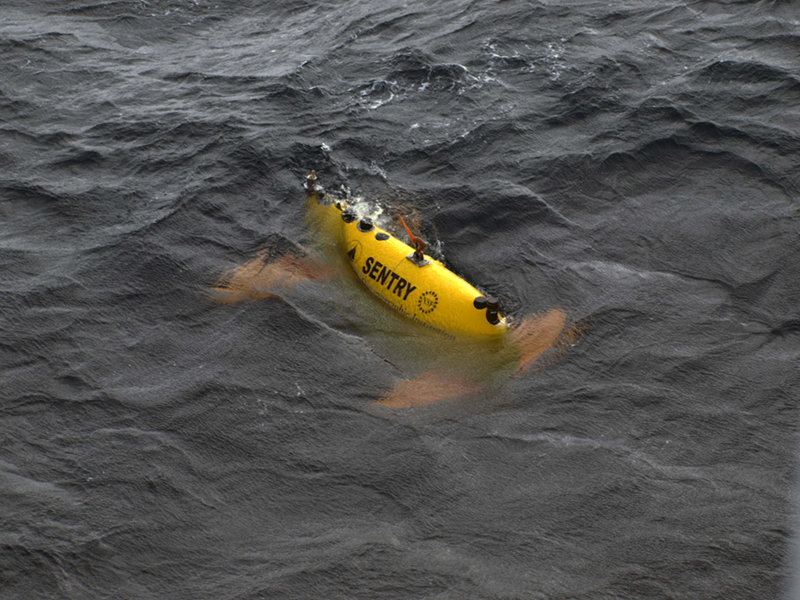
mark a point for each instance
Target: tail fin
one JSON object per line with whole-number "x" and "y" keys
{"x": 428, "y": 388}
{"x": 537, "y": 334}
{"x": 265, "y": 276}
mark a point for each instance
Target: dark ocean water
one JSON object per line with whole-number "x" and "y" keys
{"x": 635, "y": 164}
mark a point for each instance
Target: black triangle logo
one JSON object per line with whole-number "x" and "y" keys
{"x": 351, "y": 254}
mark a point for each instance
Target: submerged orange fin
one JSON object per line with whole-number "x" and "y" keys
{"x": 265, "y": 276}
{"x": 537, "y": 334}
{"x": 428, "y": 388}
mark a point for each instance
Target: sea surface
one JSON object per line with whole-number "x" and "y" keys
{"x": 633, "y": 164}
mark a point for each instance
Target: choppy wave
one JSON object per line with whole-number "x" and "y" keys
{"x": 632, "y": 166}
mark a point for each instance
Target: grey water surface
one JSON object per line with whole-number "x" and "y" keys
{"x": 634, "y": 163}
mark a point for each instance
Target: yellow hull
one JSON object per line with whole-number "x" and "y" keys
{"x": 424, "y": 290}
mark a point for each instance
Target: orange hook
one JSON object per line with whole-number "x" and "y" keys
{"x": 418, "y": 243}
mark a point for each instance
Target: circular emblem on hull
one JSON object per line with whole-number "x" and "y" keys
{"x": 428, "y": 301}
